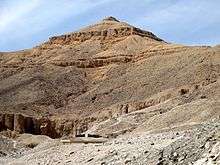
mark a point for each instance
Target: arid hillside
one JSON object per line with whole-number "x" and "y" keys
{"x": 109, "y": 94}
{"x": 108, "y": 78}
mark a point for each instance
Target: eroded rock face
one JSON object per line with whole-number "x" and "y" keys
{"x": 93, "y": 63}
{"x": 20, "y": 123}
{"x": 26, "y": 124}
{"x": 9, "y": 121}
{"x": 105, "y": 34}
{"x": 42, "y": 125}
{"x": 17, "y": 122}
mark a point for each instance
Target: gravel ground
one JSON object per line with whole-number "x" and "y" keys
{"x": 190, "y": 145}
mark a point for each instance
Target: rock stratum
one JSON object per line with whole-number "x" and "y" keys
{"x": 118, "y": 81}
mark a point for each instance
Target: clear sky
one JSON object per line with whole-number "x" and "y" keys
{"x": 26, "y": 23}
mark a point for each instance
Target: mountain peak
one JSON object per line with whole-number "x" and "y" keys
{"x": 108, "y": 28}
{"x": 110, "y": 18}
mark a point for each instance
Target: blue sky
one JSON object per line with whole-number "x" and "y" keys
{"x": 26, "y": 23}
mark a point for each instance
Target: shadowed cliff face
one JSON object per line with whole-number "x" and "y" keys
{"x": 25, "y": 124}
{"x": 102, "y": 72}
{"x": 38, "y": 125}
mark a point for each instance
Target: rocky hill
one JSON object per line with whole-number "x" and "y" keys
{"x": 109, "y": 79}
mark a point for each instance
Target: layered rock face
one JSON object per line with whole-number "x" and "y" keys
{"x": 105, "y": 34}
{"x": 110, "y": 76}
